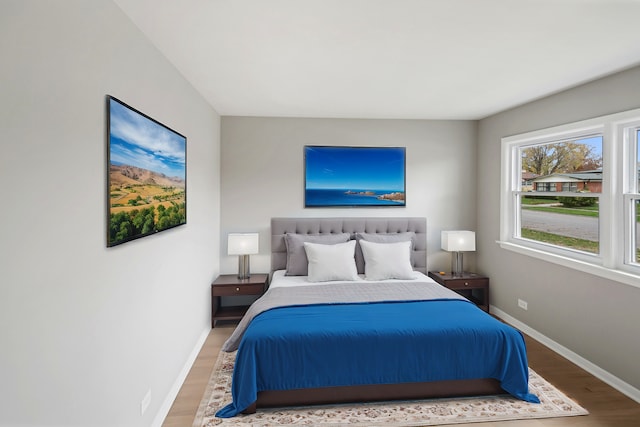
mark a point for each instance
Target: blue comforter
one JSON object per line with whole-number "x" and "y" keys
{"x": 328, "y": 345}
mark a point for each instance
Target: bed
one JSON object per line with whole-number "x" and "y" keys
{"x": 374, "y": 327}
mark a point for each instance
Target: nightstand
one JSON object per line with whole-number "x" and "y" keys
{"x": 227, "y": 285}
{"x": 472, "y": 286}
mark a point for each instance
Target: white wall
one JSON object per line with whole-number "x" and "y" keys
{"x": 85, "y": 330}
{"x": 263, "y": 175}
{"x": 596, "y": 318}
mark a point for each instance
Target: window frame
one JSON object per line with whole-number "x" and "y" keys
{"x": 629, "y": 131}
{"x": 615, "y": 259}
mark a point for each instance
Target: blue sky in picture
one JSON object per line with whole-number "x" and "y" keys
{"x": 136, "y": 140}
{"x": 355, "y": 168}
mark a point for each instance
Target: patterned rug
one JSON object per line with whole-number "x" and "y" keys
{"x": 394, "y": 414}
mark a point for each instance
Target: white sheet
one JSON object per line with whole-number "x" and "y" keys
{"x": 279, "y": 280}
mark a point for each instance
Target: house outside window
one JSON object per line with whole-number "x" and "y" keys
{"x": 527, "y": 180}
{"x": 583, "y": 181}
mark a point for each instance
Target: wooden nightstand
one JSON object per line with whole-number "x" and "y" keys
{"x": 229, "y": 285}
{"x": 474, "y": 287}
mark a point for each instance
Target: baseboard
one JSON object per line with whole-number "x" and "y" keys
{"x": 615, "y": 382}
{"x": 164, "y": 409}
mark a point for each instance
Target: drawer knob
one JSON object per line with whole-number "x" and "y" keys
{"x": 237, "y": 289}
{"x": 466, "y": 283}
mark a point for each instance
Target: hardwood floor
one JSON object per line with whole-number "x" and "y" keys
{"x": 607, "y": 407}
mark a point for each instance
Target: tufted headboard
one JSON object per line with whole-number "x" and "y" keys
{"x": 281, "y": 226}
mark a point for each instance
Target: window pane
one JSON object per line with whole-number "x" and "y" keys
{"x": 568, "y": 222}
{"x": 570, "y": 187}
{"x": 574, "y": 166}
{"x": 636, "y": 241}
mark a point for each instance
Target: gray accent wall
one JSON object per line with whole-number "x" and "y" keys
{"x": 596, "y": 318}
{"x": 85, "y": 330}
{"x": 263, "y": 175}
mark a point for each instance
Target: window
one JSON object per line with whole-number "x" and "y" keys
{"x": 585, "y": 179}
{"x": 545, "y": 186}
{"x": 567, "y": 221}
{"x": 632, "y": 194}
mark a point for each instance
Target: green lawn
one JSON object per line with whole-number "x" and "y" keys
{"x": 592, "y": 211}
{"x": 586, "y": 211}
{"x": 533, "y": 200}
{"x": 562, "y": 241}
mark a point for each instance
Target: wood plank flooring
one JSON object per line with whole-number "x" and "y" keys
{"x": 607, "y": 407}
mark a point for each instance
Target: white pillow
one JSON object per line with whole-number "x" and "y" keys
{"x": 387, "y": 260}
{"x": 331, "y": 262}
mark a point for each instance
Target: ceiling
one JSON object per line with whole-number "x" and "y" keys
{"x": 411, "y": 59}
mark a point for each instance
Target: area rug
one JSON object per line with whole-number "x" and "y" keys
{"x": 429, "y": 412}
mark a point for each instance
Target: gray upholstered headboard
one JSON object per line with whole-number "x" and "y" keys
{"x": 281, "y": 226}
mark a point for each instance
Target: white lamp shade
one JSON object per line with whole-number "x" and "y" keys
{"x": 242, "y": 244}
{"x": 458, "y": 241}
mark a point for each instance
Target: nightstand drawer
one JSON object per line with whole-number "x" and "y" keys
{"x": 472, "y": 286}
{"x": 228, "y": 285}
{"x": 467, "y": 283}
{"x": 239, "y": 289}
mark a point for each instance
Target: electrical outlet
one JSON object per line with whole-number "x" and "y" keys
{"x": 522, "y": 304}
{"x": 146, "y": 400}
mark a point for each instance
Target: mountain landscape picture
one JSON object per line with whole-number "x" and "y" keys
{"x": 147, "y": 175}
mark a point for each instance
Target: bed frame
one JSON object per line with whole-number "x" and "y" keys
{"x": 367, "y": 393}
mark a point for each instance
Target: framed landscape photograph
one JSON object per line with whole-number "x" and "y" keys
{"x": 354, "y": 176}
{"x": 147, "y": 176}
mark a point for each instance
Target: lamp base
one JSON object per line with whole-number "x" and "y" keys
{"x": 457, "y": 267}
{"x": 243, "y": 267}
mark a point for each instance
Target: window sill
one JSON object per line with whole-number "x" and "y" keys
{"x": 597, "y": 270}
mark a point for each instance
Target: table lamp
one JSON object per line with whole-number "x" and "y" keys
{"x": 243, "y": 245}
{"x": 458, "y": 242}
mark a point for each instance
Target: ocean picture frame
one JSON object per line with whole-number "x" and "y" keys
{"x": 345, "y": 176}
{"x": 146, "y": 175}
